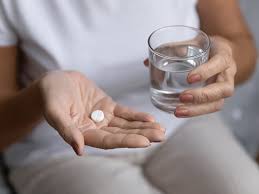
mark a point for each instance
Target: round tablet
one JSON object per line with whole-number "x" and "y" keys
{"x": 97, "y": 116}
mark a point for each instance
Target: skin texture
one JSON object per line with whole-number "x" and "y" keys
{"x": 66, "y": 99}
{"x": 224, "y": 19}
{"x": 232, "y": 58}
{"x": 219, "y": 72}
{"x": 69, "y": 100}
{"x": 232, "y": 51}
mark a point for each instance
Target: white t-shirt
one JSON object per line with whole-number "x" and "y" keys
{"x": 104, "y": 39}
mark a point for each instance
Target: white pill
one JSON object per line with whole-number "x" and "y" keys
{"x": 97, "y": 116}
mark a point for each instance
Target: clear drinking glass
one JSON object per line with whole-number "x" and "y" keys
{"x": 174, "y": 51}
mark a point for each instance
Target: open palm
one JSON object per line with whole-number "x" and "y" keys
{"x": 70, "y": 98}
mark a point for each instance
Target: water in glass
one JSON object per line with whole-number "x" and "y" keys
{"x": 169, "y": 76}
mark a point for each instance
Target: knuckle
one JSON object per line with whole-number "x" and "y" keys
{"x": 218, "y": 59}
{"x": 225, "y": 44}
{"x": 205, "y": 73}
{"x": 216, "y": 93}
{"x": 206, "y": 69}
{"x": 226, "y": 58}
{"x": 228, "y": 49}
{"x": 203, "y": 97}
{"x": 219, "y": 62}
{"x": 197, "y": 99}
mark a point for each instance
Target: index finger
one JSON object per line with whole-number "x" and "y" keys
{"x": 215, "y": 65}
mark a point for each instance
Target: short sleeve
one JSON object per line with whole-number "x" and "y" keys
{"x": 7, "y": 34}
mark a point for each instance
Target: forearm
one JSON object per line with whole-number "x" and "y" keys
{"x": 244, "y": 53}
{"x": 230, "y": 24}
{"x": 19, "y": 113}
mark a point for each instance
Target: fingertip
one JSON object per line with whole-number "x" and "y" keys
{"x": 77, "y": 149}
{"x": 146, "y": 144}
{"x": 146, "y": 62}
{"x": 163, "y": 129}
{"x": 158, "y": 136}
{"x": 80, "y": 151}
{"x": 149, "y": 118}
{"x": 193, "y": 78}
{"x": 143, "y": 142}
{"x": 160, "y": 127}
{"x": 78, "y": 143}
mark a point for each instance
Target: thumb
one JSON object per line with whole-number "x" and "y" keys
{"x": 67, "y": 129}
{"x": 73, "y": 136}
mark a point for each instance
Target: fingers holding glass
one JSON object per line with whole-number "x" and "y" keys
{"x": 173, "y": 52}
{"x": 208, "y": 99}
{"x": 198, "y": 109}
{"x": 210, "y": 93}
{"x": 214, "y": 66}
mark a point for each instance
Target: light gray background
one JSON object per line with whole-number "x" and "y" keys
{"x": 241, "y": 111}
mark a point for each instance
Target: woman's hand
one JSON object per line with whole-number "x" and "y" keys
{"x": 219, "y": 73}
{"x": 68, "y": 100}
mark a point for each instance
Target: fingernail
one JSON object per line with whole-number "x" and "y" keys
{"x": 182, "y": 112}
{"x": 186, "y": 98}
{"x": 194, "y": 78}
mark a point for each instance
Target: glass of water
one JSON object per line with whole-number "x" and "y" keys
{"x": 174, "y": 51}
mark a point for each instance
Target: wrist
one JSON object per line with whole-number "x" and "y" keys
{"x": 36, "y": 96}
